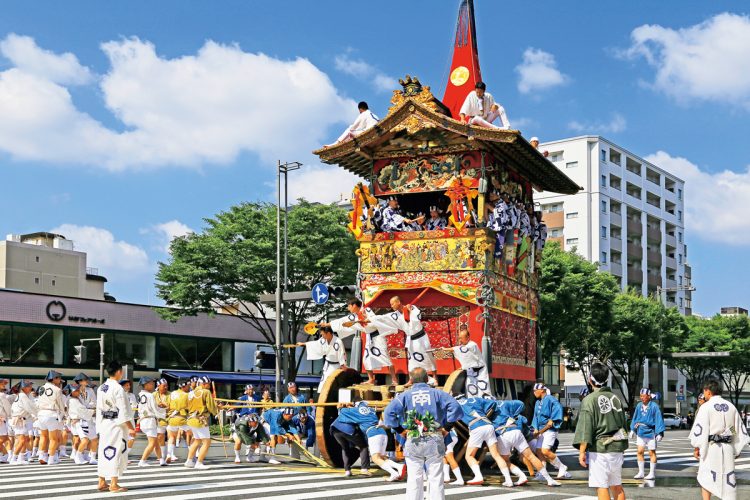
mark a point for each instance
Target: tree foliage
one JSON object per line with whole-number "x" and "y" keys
{"x": 730, "y": 334}
{"x": 232, "y": 262}
{"x": 641, "y": 328}
{"x": 575, "y": 306}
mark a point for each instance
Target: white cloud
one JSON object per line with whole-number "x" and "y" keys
{"x": 27, "y": 56}
{"x": 114, "y": 258}
{"x": 616, "y": 125}
{"x": 169, "y": 231}
{"x": 321, "y": 183}
{"x": 707, "y": 61}
{"x": 365, "y": 71}
{"x": 717, "y": 211}
{"x": 538, "y": 72}
{"x": 187, "y": 111}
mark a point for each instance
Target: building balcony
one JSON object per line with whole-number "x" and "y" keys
{"x": 670, "y": 283}
{"x": 671, "y": 263}
{"x": 634, "y": 226}
{"x": 635, "y": 250}
{"x": 654, "y": 280}
{"x": 635, "y": 276}
{"x": 615, "y": 219}
{"x": 615, "y": 243}
{"x": 653, "y": 234}
{"x": 554, "y": 219}
{"x": 653, "y": 259}
{"x": 688, "y": 272}
{"x": 671, "y": 241}
{"x": 615, "y": 268}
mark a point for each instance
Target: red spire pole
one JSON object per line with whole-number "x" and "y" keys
{"x": 465, "y": 72}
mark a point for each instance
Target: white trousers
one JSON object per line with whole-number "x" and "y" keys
{"x": 481, "y": 122}
{"x": 376, "y": 353}
{"x": 424, "y": 458}
{"x": 417, "y": 352}
{"x": 477, "y": 382}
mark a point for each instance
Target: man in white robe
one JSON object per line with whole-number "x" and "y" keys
{"x": 467, "y": 353}
{"x": 408, "y": 319}
{"x": 479, "y": 108}
{"x": 376, "y": 347}
{"x": 718, "y": 436}
{"x": 365, "y": 121}
{"x": 330, "y": 349}
{"x": 114, "y": 420}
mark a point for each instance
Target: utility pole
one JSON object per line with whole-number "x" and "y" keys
{"x": 281, "y": 318}
{"x": 662, "y": 382}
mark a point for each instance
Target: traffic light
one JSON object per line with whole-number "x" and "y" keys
{"x": 343, "y": 292}
{"x": 265, "y": 360}
{"x": 80, "y": 355}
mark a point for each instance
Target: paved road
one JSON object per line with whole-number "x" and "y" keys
{"x": 676, "y": 480}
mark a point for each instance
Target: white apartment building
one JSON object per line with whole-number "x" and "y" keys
{"x": 629, "y": 217}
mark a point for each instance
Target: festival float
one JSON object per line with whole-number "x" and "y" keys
{"x": 423, "y": 154}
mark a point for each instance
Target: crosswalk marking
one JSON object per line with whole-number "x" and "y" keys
{"x": 195, "y": 477}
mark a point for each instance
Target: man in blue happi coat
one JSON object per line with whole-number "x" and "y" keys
{"x": 423, "y": 413}
{"x": 647, "y": 427}
{"x": 281, "y": 428}
{"x": 511, "y": 428}
{"x": 548, "y": 416}
{"x": 477, "y": 415}
{"x": 249, "y": 396}
{"x": 347, "y": 432}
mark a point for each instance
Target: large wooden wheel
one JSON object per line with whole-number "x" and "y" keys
{"x": 330, "y": 450}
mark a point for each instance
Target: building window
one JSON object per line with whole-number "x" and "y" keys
{"x": 571, "y": 215}
{"x": 24, "y": 345}
{"x": 679, "y": 258}
{"x": 53, "y": 282}
{"x": 554, "y": 207}
{"x": 679, "y": 280}
{"x": 681, "y": 302}
{"x": 679, "y": 215}
{"x": 571, "y": 164}
{"x": 604, "y": 232}
{"x": 604, "y": 257}
{"x": 37, "y": 258}
{"x": 604, "y": 155}
{"x": 604, "y": 181}
{"x": 556, "y": 156}
{"x": 604, "y": 206}
{"x": 136, "y": 350}
{"x": 679, "y": 194}
{"x": 36, "y": 281}
{"x": 571, "y": 241}
{"x": 615, "y": 157}
{"x": 194, "y": 354}
{"x": 555, "y": 233}
{"x": 679, "y": 236}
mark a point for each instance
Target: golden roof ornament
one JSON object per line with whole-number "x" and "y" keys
{"x": 412, "y": 89}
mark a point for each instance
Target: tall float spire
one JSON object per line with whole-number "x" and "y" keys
{"x": 465, "y": 72}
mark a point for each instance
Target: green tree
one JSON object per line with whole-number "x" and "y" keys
{"x": 641, "y": 328}
{"x": 232, "y": 262}
{"x": 701, "y": 336}
{"x": 575, "y": 307}
{"x": 734, "y": 370}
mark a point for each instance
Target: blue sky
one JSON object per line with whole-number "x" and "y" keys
{"x": 123, "y": 123}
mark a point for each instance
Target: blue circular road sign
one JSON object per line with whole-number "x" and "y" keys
{"x": 320, "y": 293}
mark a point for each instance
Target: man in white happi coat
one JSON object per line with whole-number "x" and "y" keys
{"x": 479, "y": 108}
{"x": 23, "y": 412}
{"x": 89, "y": 443}
{"x": 330, "y": 349}
{"x": 51, "y": 416}
{"x": 114, "y": 419}
{"x": 409, "y": 320}
{"x": 718, "y": 436}
{"x": 467, "y": 353}
{"x": 376, "y": 347}
{"x": 5, "y": 412}
{"x": 365, "y": 121}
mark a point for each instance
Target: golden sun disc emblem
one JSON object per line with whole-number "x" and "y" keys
{"x": 459, "y": 76}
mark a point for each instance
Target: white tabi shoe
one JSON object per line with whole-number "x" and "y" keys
{"x": 552, "y": 483}
{"x": 273, "y": 461}
{"x": 563, "y": 473}
{"x": 477, "y": 481}
{"x": 201, "y": 465}
{"x": 141, "y": 463}
{"x": 651, "y": 476}
{"x": 638, "y": 476}
{"x": 507, "y": 484}
{"x": 393, "y": 477}
{"x": 458, "y": 482}
{"x": 93, "y": 461}
{"x": 237, "y": 460}
{"x": 189, "y": 464}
